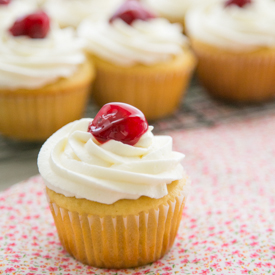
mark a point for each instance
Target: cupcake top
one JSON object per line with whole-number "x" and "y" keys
{"x": 72, "y": 12}
{"x": 32, "y": 62}
{"x": 234, "y": 25}
{"x": 171, "y": 8}
{"x": 145, "y": 40}
{"x": 97, "y": 160}
{"x": 12, "y": 9}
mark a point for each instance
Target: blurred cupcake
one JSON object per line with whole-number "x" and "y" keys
{"x": 72, "y": 12}
{"x": 235, "y": 45}
{"x": 115, "y": 190}
{"x": 12, "y": 9}
{"x": 140, "y": 60}
{"x": 173, "y": 10}
{"x": 44, "y": 78}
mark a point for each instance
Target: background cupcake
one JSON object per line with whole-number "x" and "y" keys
{"x": 139, "y": 59}
{"x": 44, "y": 78}
{"x": 235, "y": 45}
{"x": 116, "y": 199}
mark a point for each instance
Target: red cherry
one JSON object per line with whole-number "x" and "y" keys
{"x": 130, "y": 11}
{"x": 239, "y": 3}
{"x": 35, "y": 25}
{"x": 4, "y": 2}
{"x": 118, "y": 121}
{"x": 19, "y": 27}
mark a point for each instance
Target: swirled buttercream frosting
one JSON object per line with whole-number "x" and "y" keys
{"x": 171, "y": 8}
{"x": 72, "y": 12}
{"x": 144, "y": 42}
{"x": 33, "y": 63}
{"x": 74, "y": 164}
{"x": 232, "y": 27}
{"x": 13, "y": 10}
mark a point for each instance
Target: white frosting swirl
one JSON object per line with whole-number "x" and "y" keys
{"x": 33, "y": 63}
{"x": 72, "y": 12}
{"x": 74, "y": 164}
{"x": 145, "y": 42}
{"x": 16, "y": 8}
{"x": 171, "y": 8}
{"x": 232, "y": 27}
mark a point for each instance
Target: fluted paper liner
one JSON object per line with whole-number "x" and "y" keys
{"x": 236, "y": 76}
{"x": 34, "y": 115}
{"x": 156, "y": 90}
{"x": 119, "y": 241}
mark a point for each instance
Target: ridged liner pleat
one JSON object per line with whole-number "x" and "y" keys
{"x": 156, "y": 94}
{"x": 153, "y": 101}
{"x": 35, "y": 116}
{"x": 240, "y": 77}
{"x": 119, "y": 241}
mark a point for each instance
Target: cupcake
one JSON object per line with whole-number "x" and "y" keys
{"x": 173, "y": 10}
{"x": 235, "y": 45}
{"x": 70, "y": 13}
{"x": 12, "y": 9}
{"x": 115, "y": 190}
{"x": 140, "y": 60}
{"x": 45, "y": 78}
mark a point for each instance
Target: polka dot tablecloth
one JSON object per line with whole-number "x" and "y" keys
{"x": 228, "y": 226}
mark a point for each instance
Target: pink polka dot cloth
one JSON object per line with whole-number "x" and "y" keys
{"x": 228, "y": 226}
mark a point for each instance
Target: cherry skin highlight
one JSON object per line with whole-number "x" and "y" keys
{"x": 118, "y": 121}
{"x": 240, "y": 3}
{"x": 35, "y": 25}
{"x": 130, "y": 11}
{"x": 4, "y": 2}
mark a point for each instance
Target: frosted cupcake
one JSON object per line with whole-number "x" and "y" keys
{"x": 12, "y": 9}
{"x": 115, "y": 190}
{"x": 72, "y": 12}
{"x": 235, "y": 44}
{"x": 44, "y": 78}
{"x": 140, "y": 60}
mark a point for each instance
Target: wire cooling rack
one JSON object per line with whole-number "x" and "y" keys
{"x": 197, "y": 109}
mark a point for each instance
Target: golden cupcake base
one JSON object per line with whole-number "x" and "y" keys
{"x": 33, "y": 115}
{"x": 241, "y": 77}
{"x": 156, "y": 90}
{"x": 119, "y": 240}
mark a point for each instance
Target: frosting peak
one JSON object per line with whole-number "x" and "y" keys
{"x": 171, "y": 8}
{"x": 33, "y": 63}
{"x": 72, "y": 12}
{"x": 232, "y": 27}
{"x": 13, "y": 10}
{"x": 73, "y": 163}
{"x": 144, "y": 42}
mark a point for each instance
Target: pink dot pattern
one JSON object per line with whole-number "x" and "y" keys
{"x": 227, "y": 227}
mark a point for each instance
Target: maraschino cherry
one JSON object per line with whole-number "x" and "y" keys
{"x": 240, "y": 3}
{"x": 4, "y": 2}
{"x": 118, "y": 121}
{"x": 130, "y": 11}
{"x": 35, "y": 25}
